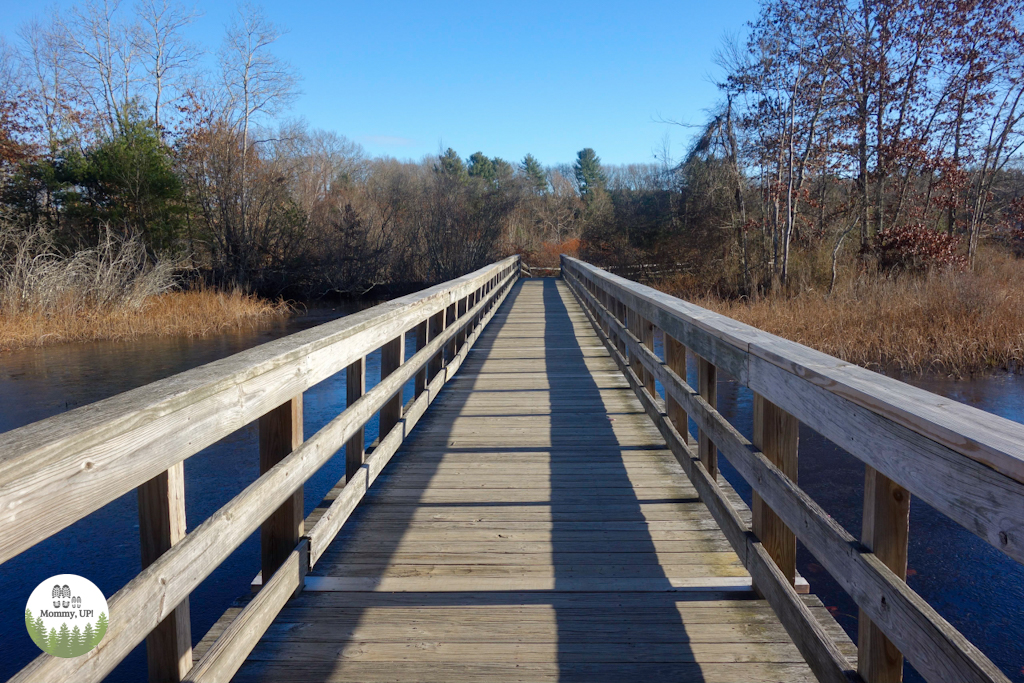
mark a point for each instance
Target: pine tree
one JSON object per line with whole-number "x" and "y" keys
{"x": 77, "y": 645}
{"x": 482, "y": 167}
{"x": 535, "y": 174}
{"x": 64, "y": 642}
{"x": 101, "y": 627}
{"x": 589, "y": 174}
{"x": 450, "y": 164}
{"x": 41, "y": 630}
{"x": 88, "y": 637}
{"x": 51, "y": 641}
{"x": 33, "y": 630}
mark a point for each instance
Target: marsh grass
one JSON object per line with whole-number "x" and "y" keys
{"x": 114, "y": 291}
{"x": 953, "y": 323}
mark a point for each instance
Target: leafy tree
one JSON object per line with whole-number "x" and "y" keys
{"x": 535, "y": 174}
{"x": 482, "y": 167}
{"x": 589, "y": 174}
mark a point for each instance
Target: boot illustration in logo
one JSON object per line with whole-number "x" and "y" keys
{"x": 65, "y": 594}
{"x": 56, "y": 595}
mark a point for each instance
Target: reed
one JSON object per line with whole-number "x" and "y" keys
{"x": 953, "y": 323}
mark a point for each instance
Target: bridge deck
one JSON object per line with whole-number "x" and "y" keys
{"x": 533, "y": 528}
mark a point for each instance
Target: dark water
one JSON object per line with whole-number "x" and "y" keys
{"x": 104, "y": 547}
{"x": 978, "y": 589}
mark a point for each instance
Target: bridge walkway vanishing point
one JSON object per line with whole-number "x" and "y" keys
{"x": 534, "y": 527}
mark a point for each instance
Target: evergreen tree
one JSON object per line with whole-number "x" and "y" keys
{"x": 64, "y": 642}
{"x": 41, "y": 630}
{"x": 482, "y": 167}
{"x": 33, "y": 629}
{"x": 503, "y": 171}
{"x": 450, "y": 164}
{"x": 51, "y": 641}
{"x": 88, "y": 636}
{"x": 589, "y": 175}
{"x": 101, "y": 627}
{"x": 77, "y": 643}
{"x": 535, "y": 174}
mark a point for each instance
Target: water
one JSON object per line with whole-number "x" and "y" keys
{"x": 978, "y": 589}
{"x": 104, "y": 546}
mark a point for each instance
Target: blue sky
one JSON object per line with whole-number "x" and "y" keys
{"x": 550, "y": 78}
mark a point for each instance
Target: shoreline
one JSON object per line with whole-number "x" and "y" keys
{"x": 196, "y": 313}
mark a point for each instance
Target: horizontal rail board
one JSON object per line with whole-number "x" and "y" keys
{"x": 56, "y": 471}
{"x": 973, "y": 473}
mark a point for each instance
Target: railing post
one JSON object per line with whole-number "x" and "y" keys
{"x": 421, "y": 341}
{"x": 776, "y": 434}
{"x": 435, "y": 325}
{"x": 449, "y": 320}
{"x": 646, "y": 329}
{"x": 886, "y": 531}
{"x": 675, "y": 358}
{"x": 707, "y": 385}
{"x": 392, "y": 354}
{"x": 460, "y": 338}
{"x": 161, "y": 525}
{"x": 280, "y": 434}
{"x": 355, "y": 387}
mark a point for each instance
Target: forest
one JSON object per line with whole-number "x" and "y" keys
{"x": 855, "y": 144}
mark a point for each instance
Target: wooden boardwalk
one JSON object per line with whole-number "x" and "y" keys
{"x": 533, "y": 528}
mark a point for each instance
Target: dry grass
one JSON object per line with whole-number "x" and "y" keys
{"x": 193, "y": 313}
{"x": 952, "y": 323}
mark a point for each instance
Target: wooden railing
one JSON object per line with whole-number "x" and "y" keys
{"x": 58, "y": 470}
{"x": 965, "y": 463}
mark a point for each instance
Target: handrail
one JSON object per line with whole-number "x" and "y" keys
{"x": 964, "y": 462}
{"x": 99, "y": 452}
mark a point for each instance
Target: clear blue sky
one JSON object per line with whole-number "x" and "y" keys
{"x": 504, "y": 78}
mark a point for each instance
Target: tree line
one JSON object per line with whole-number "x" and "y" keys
{"x": 66, "y": 642}
{"x": 849, "y": 132}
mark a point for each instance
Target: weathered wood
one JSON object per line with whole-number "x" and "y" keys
{"x": 392, "y": 355}
{"x": 816, "y": 645}
{"x": 776, "y": 434}
{"x": 435, "y": 325}
{"x": 422, "y": 377}
{"x": 886, "y": 533}
{"x": 932, "y": 446}
{"x": 161, "y": 525}
{"x": 229, "y": 651}
{"x": 280, "y": 434}
{"x": 355, "y": 387}
{"x": 935, "y": 648}
{"x": 450, "y": 316}
{"x": 136, "y": 609}
{"x": 56, "y": 471}
{"x": 675, "y": 358}
{"x": 707, "y": 383}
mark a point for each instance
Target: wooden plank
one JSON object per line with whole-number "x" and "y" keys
{"x": 229, "y": 651}
{"x": 886, "y": 533}
{"x": 392, "y": 356}
{"x": 175, "y": 574}
{"x": 161, "y": 525}
{"x": 355, "y": 387}
{"x": 776, "y": 434}
{"x": 707, "y": 382}
{"x": 280, "y": 434}
{"x": 935, "y": 648}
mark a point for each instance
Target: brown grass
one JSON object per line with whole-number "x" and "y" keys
{"x": 191, "y": 313}
{"x": 953, "y": 323}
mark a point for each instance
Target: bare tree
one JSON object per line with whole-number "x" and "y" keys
{"x": 160, "y": 41}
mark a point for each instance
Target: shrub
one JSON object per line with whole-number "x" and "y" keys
{"x": 917, "y": 249}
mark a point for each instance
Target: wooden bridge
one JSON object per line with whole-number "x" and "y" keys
{"x": 536, "y": 512}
